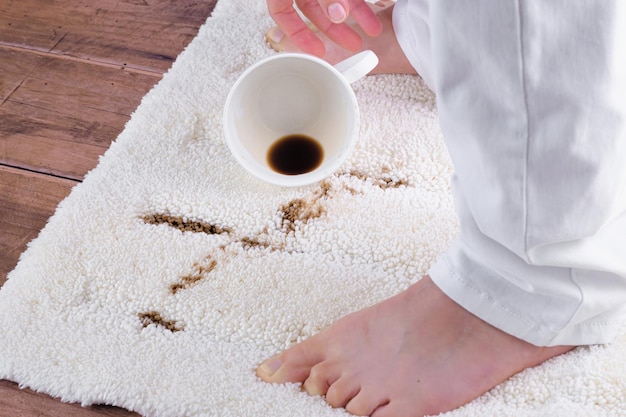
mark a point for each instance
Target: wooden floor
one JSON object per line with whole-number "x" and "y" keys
{"x": 71, "y": 73}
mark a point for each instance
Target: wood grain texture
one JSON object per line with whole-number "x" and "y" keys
{"x": 71, "y": 73}
{"x": 145, "y": 34}
{"x": 29, "y": 403}
{"x": 56, "y": 107}
{"x": 28, "y": 200}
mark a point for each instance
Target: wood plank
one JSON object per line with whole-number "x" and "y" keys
{"x": 27, "y": 200}
{"x": 65, "y": 108}
{"x": 135, "y": 33}
{"x": 61, "y": 158}
{"x": 14, "y": 67}
{"x": 115, "y": 37}
{"x": 39, "y": 24}
{"x": 17, "y": 402}
{"x": 118, "y": 86}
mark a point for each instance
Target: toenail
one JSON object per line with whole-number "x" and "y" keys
{"x": 275, "y": 35}
{"x": 270, "y": 366}
{"x": 337, "y": 13}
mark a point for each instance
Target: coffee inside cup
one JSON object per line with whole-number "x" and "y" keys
{"x": 292, "y": 119}
{"x": 295, "y": 154}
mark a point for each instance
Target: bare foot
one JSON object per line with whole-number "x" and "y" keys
{"x": 417, "y": 353}
{"x": 392, "y": 59}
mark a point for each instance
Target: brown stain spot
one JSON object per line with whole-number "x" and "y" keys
{"x": 350, "y": 190}
{"x": 301, "y": 210}
{"x": 184, "y": 224}
{"x": 252, "y": 243}
{"x": 199, "y": 271}
{"x": 325, "y": 187}
{"x": 384, "y": 181}
{"x": 154, "y": 317}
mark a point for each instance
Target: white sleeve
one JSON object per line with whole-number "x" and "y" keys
{"x": 531, "y": 99}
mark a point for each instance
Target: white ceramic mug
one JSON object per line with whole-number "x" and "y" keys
{"x": 294, "y": 94}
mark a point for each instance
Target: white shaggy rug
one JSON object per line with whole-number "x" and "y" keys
{"x": 169, "y": 274}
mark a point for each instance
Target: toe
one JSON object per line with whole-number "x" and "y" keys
{"x": 268, "y": 370}
{"x": 321, "y": 377}
{"x": 293, "y": 365}
{"x": 342, "y": 391}
{"x": 405, "y": 408}
{"x": 365, "y": 403}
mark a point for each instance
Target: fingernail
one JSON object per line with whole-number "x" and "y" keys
{"x": 269, "y": 367}
{"x": 275, "y": 35}
{"x": 337, "y": 13}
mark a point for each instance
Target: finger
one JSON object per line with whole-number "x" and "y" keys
{"x": 341, "y": 33}
{"x": 292, "y": 25}
{"x": 337, "y": 11}
{"x": 365, "y": 17}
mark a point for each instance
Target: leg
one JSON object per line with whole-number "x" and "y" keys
{"x": 524, "y": 139}
{"x": 528, "y": 105}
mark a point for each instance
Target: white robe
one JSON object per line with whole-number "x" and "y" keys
{"x": 531, "y": 99}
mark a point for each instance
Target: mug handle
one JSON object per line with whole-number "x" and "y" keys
{"x": 357, "y": 66}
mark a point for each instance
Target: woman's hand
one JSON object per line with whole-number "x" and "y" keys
{"x": 329, "y": 16}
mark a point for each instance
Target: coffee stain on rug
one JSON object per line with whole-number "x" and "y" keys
{"x": 184, "y": 224}
{"x": 300, "y": 210}
{"x": 249, "y": 243}
{"x": 384, "y": 181}
{"x": 154, "y": 317}
{"x": 292, "y": 215}
{"x": 198, "y": 272}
